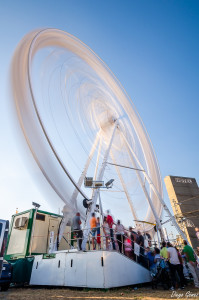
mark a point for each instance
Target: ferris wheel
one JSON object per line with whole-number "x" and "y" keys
{"x": 79, "y": 122}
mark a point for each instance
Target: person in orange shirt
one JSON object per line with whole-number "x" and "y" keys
{"x": 93, "y": 224}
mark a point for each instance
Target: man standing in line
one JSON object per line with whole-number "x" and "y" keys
{"x": 93, "y": 225}
{"x": 76, "y": 227}
{"x": 132, "y": 238}
{"x": 174, "y": 265}
{"x": 110, "y": 224}
{"x": 119, "y": 230}
{"x": 140, "y": 242}
{"x": 191, "y": 261}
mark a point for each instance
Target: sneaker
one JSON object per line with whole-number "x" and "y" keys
{"x": 172, "y": 288}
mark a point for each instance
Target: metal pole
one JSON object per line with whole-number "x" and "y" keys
{"x": 97, "y": 164}
{"x": 158, "y": 238}
{"x": 100, "y": 205}
{"x": 33, "y": 229}
{"x": 97, "y": 161}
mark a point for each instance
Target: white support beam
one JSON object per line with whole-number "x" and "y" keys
{"x": 101, "y": 208}
{"x": 73, "y": 199}
{"x": 125, "y": 188}
{"x": 157, "y": 193}
{"x": 97, "y": 163}
{"x": 81, "y": 179}
{"x": 131, "y": 155}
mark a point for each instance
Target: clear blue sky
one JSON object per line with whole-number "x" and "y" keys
{"x": 153, "y": 49}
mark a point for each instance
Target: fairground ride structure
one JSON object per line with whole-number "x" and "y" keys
{"x": 78, "y": 121}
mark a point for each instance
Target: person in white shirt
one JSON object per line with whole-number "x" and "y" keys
{"x": 106, "y": 230}
{"x": 174, "y": 265}
{"x": 119, "y": 231}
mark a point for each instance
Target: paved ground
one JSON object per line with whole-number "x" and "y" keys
{"x": 145, "y": 293}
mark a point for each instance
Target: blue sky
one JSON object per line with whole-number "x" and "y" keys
{"x": 153, "y": 49}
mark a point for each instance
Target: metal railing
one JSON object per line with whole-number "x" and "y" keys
{"x": 141, "y": 258}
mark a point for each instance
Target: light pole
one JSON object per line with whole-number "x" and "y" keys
{"x": 37, "y": 206}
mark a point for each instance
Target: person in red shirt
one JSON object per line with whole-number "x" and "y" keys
{"x": 110, "y": 224}
{"x": 98, "y": 233}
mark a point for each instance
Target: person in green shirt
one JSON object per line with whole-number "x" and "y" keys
{"x": 191, "y": 261}
{"x": 163, "y": 251}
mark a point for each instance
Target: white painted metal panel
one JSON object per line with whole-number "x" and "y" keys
{"x": 48, "y": 271}
{"x": 119, "y": 270}
{"x": 86, "y": 269}
{"x": 95, "y": 269}
{"x": 75, "y": 269}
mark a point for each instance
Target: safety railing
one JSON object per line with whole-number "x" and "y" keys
{"x": 102, "y": 245}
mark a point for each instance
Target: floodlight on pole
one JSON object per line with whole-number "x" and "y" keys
{"x": 36, "y": 205}
{"x": 109, "y": 184}
{"x": 96, "y": 184}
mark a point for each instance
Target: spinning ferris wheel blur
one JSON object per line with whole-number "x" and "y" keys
{"x": 78, "y": 121}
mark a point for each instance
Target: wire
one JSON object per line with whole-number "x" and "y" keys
{"x": 125, "y": 167}
{"x": 181, "y": 202}
{"x": 186, "y": 213}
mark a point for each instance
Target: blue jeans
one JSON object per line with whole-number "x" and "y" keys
{"x": 112, "y": 238}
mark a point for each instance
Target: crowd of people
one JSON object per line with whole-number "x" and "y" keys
{"x": 116, "y": 237}
{"x": 175, "y": 261}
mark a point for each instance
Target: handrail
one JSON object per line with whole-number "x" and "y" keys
{"x": 101, "y": 227}
{"x": 144, "y": 261}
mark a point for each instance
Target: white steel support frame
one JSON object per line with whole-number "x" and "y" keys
{"x": 157, "y": 193}
{"x": 131, "y": 155}
{"x": 81, "y": 179}
{"x": 101, "y": 208}
{"x": 96, "y": 192}
{"x": 76, "y": 191}
{"x": 125, "y": 189}
{"x": 98, "y": 156}
{"x": 97, "y": 164}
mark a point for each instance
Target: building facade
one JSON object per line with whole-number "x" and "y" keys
{"x": 184, "y": 197}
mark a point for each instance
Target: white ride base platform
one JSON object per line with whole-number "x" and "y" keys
{"x": 92, "y": 269}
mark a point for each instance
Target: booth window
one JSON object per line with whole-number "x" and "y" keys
{"x": 40, "y": 217}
